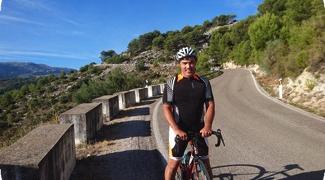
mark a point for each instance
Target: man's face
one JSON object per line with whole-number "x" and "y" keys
{"x": 187, "y": 66}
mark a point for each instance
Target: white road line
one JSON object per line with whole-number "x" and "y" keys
{"x": 160, "y": 143}
{"x": 308, "y": 114}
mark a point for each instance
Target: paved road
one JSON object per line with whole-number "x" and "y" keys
{"x": 125, "y": 149}
{"x": 264, "y": 140}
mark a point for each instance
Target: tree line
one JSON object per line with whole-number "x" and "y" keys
{"x": 284, "y": 38}
{"x": 168, "y": 42}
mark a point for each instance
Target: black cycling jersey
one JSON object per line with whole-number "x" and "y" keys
{"x": 188, "y": 98}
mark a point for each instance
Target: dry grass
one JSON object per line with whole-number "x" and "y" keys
{"x": 269, "y": 82}
{"x": 86, "y": 150}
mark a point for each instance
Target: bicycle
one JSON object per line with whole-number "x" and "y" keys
{"x": 192, "y": 166}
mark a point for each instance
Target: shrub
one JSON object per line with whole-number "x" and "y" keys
{"x": 310, "y": 84}
{"x": 84, "y": 68}
{"x": 140, "y": 66}
{"x": 118, "y": 59}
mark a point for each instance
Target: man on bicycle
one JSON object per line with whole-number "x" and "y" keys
{"x": 188, "y": 106}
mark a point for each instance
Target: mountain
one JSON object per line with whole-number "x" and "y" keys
{"x": 10, "y": 70}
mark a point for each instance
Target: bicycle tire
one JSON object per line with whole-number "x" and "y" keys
{"x": 201, "y": 172}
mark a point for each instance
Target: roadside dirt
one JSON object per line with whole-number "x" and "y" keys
{"x": 125, "y": 149}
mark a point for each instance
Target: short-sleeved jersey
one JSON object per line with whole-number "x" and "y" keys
{"x": 188, "y": 97}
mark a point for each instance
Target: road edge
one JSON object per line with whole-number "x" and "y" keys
{"x": 289, "y": 106}
{"x": 158, "y": 137}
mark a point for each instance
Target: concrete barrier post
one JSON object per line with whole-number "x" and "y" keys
{"x": 46, "y": 153}
{"x": 121, "y": 101}
{"x": 87, "y": 119}
{"x": 143, "y": 92}
{"x": 110, "y": 106}
{"x": 162, "y": 87}
{"x": 155, "y": 90}
{"x": 113, "y": 107}
{"x": 137, "y": 95}
{"x": 129, "y": 98}
{"x": 150, "y": 92}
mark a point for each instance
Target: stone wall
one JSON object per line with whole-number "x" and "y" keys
{"x": 46, "y": 153}
{"x": 87, "y": 120}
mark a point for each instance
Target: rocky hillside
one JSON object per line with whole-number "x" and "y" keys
{"x": 279, "y": 38}
{"x": 307, "y": 91}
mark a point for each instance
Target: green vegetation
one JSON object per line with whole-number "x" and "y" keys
{"x": 111, "y": 57}
{"x": 140, "y": 66}
{"x": 107, "y": 54}
{"x": 310, "y": 84}
{"x": 115, "y": 81}
{"x": 49, "y": 96}
{"x": 284, "y": 38}
{"x": 10, "y": 84}
{"x": 168, "y": 42}
{"x": 118, "y": 59}
{"x": 24, "y": 108}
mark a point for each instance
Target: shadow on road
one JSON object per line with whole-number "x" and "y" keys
{"x": 308, "y": 175}
{"x": 131, "y": 164}
{"x": 255, "y": 172}
{"x": 142, "y": 111}
{"x": 138, "y": 128}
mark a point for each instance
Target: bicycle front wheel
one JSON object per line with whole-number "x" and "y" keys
{"x": 200, "y": 172}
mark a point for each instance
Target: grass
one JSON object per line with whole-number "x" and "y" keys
{"x": 310, "y": 84}
{"x": 86, "y": 150}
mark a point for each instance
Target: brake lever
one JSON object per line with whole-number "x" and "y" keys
{"x": 220, "y": 138}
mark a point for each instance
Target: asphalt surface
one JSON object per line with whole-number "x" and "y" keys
{"x": 264, "y": 138}
{"x": 125, "y": 149}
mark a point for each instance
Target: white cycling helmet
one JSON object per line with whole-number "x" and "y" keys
{"x": 185, "y": 52}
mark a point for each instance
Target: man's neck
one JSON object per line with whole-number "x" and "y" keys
{"x": 181, "y": 76}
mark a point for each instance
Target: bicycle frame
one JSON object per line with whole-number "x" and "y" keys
{"x": 191, "y": 161}
{"x": 192, "y": 158}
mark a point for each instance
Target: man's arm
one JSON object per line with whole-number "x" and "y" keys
{"x": 208, "y": 119}
{"x": 167, "y": 108}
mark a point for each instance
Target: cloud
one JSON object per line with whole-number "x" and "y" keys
{"x": 42, "y": 54}
{"x": 49, "y": 9}
{"x": 21, "y": 20}
{"x": 69, "y": 21}
{"x": 0, "y": 5}
{"x": 32, "y": 4}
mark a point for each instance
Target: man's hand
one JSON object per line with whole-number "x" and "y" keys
{"x": 206, "y": 132}
{"x": 181, "y": 134}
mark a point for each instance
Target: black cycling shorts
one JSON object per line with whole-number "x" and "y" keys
{"x": 177, "y": 149}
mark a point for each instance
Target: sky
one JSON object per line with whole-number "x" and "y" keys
{"x": 72, "y": 33}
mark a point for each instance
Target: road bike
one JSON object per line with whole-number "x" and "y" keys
{"x": 192, "y": 166}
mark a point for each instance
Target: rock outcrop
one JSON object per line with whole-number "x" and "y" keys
{"x": 307, "y": 91}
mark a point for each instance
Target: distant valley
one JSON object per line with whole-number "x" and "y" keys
{"x": 12, "y": 70}
{"x": 16, "y": 74}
